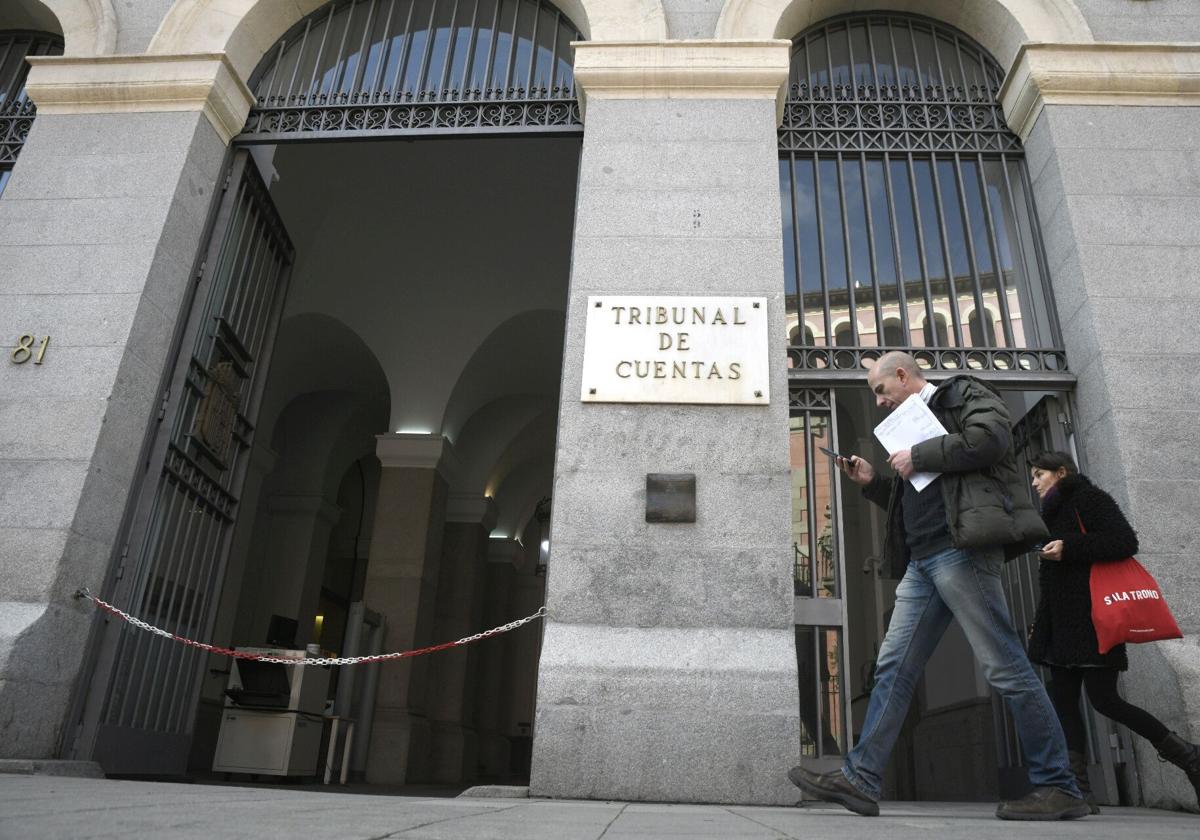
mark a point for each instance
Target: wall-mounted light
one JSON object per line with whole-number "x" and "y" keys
{"x": 318, "y": 626}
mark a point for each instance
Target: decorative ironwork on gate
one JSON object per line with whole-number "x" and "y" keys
{"x": 16, "y": 108}
{"x": 908, "y": 216}
{"x": 419, "y": 67}
{"x": 886, "y": 82}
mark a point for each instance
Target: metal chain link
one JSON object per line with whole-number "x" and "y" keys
{"x": 283, "y": 660}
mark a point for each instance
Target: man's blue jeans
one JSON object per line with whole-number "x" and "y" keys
{"x": 960, "y": 584}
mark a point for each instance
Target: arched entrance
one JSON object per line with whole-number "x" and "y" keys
{"x": 908, "y": 223}
{"x": 359, "y": 398}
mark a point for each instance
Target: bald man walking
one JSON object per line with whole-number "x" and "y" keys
{"x": 949, "y": 542}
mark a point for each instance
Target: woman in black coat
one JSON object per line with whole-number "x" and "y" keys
{"x": 1063, "y": 637}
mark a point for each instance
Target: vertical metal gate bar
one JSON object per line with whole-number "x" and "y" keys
{"x": 810, "y": 497}
{"x": 126, "y": 639}
{"x": 186, "y": 626}
{"x": 791, "y": 167}
{"x": 17, "y": 79}
{"x": 400, "y": 77}
{"x": 422, "y": 78}
{"x": 239, "y": 227}
{"x": 510, "y": 61}
{"x": 913, "y": 190}
{"x": 291, "y": 94}
{"x": 451, "y": 49}
{"x": 236, "y": 294}
{"x": 851, "y": 303}
{"x": 997, "y": 257}
{"x": 472, "y": 39}
{"x": 553, "y": 81}
{"x": 880, "y": 338}
{"x": 846, "y": 736}
{"x": 1023, "y": 268}
{"x": 225, "y": 304}
{"x": 272, "y": 273}
{"x": 337, "y": 71}
{"x": 135, "y": 645}
{"x": 816, "y": 686}
{"x": 168, "y": 570}
{"x": 1039, "y": 251}
{"x": 969, "y": 238}
{"x": 238, "y": 313}
{"x": 138, "y": 676}
{"x": 951, "y": 286}
{"x": 489, "y": 80}
{"x": 385, "y": 50}
{"x": 364, "y": 53}
{"x": 901, "y": 291}
{"x": 311, "y": 95}
{"x": 533, "y": 49}
{"x": 816, "y": 160}
{"x": 194, "y": 554}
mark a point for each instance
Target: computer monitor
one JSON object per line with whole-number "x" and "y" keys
{"x": 281, "y": 632}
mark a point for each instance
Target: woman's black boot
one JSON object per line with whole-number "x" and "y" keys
{"x": 1079, "y": 768}
{"x": 1183, "y": 755}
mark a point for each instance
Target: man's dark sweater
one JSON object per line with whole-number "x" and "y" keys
{"x": 925, "y": 528}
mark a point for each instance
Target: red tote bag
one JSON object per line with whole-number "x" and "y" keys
{"x": 1127, "y": 604}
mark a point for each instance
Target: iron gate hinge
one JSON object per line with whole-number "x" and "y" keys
{"x": 200, "y": 270}
{"x": 228, "y": 177}
{"x": 1065, "y": 423}
{"x": 162, "y": 406}
{"x": 121, "y": 562}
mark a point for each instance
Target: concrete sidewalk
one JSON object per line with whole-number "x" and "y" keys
{"x": 44, "y": 808}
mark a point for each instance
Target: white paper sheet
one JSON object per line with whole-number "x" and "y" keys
{"x": 911, "y": 423}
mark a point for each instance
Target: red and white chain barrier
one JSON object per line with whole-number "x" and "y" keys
{"x": 333, "y": 660}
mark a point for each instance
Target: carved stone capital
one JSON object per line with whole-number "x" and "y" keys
{"x": 142, "y": 83}
{"x": 1098, "y": 74}
{"x": 682, "y": 70}
{"x": 417, "y": 451}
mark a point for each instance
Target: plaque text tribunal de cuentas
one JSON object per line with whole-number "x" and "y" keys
{"x": 653, "y": 349}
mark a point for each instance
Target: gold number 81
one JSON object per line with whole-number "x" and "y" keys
{"x": 23, "y": 352}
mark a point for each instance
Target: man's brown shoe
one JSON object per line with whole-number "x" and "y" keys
{"x": 834, "y": 787}
{"x": 1043, "y": 803}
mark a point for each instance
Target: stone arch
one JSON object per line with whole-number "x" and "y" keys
{"x": 1000, "y": 26}
{"x": 89, "y": 27}
{"x": 246, "y": 29}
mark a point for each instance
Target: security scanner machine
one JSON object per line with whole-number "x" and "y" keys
{"x": 273, "y": 716}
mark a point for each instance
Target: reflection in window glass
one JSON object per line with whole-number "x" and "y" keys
{"x": 5, "y": 174}
{"x": 818, "y": 663}
{"x": 813, "y": 550}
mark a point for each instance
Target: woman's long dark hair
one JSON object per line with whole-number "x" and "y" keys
{"x": 1054, "y": 461}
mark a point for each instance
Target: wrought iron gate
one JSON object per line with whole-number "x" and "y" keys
{"x": 1046, "y": 427}
{"x": 138, "y": 713}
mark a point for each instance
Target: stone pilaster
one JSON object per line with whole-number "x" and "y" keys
{"x": 402, "y": 580}
{"x": 469, "y": 520}
{"x": 678, "y": 195}
{"x": 99, "y": 229}
{"x": 495, "y": 662}
{"x": 1111, "y": 147}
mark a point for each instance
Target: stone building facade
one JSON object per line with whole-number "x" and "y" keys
{"x": 406, "y": 431}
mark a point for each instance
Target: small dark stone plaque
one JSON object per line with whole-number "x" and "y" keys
{"x": 670, "y": 497}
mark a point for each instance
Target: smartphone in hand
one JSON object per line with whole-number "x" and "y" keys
{"x": 833, "y": 454}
